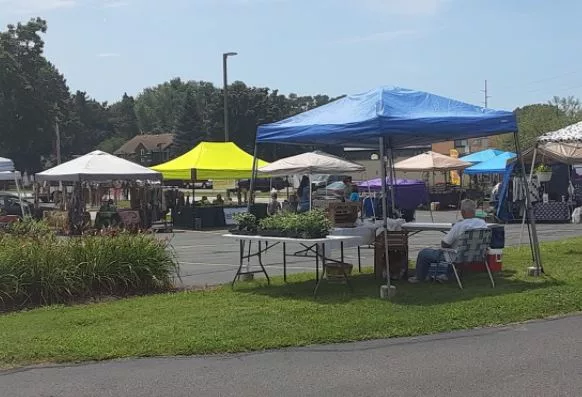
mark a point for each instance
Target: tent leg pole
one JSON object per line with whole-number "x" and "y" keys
{"x": 253, "y": 177}
{"x": 537, "y": 269}
{"x": 392, "y": 179}
{"x": 19, "y": 191}
{"x": 387, "y": 289}
{"x": 533, "y": 161}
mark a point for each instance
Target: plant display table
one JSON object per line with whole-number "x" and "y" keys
{"x": 317, "y": 247}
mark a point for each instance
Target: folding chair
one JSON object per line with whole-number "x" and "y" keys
{"x": 472, "y": 249}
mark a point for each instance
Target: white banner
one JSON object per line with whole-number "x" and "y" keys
{"x": 229, "y": 212}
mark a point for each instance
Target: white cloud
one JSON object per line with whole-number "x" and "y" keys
{"x": 28, "y": 6}
{"x": 108, "y": 55}
{"x": 35, "y": 6}
{"x": 115, "y": 4}
{"x": 381, "y": 36}
{"x": 406, "y": 7}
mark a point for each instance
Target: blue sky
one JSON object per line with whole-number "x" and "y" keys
{"x": 527, "y": 50}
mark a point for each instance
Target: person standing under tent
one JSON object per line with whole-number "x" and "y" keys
{"x": 273, "y": 207}
{"x": 348, "y": 189}
{"x": 355, "y": 196}
{"x": 303, "y": 194}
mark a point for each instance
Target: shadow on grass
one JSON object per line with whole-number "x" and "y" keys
{"x": 365, "y": 286}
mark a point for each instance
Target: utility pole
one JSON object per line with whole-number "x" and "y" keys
{"x": 486, "y": 95}
{"x": 225, "y": 82}
{"x": 58, "y": 133}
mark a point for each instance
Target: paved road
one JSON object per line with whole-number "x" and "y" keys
{"x": 534, "y": 359}
{"x": 207, "y": 259}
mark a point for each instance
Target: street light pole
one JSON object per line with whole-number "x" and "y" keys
{"x": 225, "y": 78}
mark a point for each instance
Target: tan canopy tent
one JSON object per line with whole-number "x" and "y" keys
{"x": 556, "y": 152}
{"x": 431, "y": 161}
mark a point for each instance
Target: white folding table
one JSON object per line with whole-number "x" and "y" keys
{"x": 315, "y": 246}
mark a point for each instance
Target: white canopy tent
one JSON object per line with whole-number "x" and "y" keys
{"x": 431, "y": 161}
{"x": 563, "y": 146}
{"x": 98, "y": 166}
{"x": 311, "y": 163}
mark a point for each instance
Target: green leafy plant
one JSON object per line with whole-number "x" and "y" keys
{"x": 246, "y": 221}
{"x": 543, "y": 168}
{"x": 314, "y": 224}
{"x": 48, "y": 270}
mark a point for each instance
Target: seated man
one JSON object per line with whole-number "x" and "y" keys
{"x": 451, "y": 240}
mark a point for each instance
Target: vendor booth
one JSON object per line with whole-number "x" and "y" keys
{"x": 390, "y": 118}
{"x": 215, "y": 161}
{"x": 97, "y": 168}
{"x": 409, "y": 194}
{"x": 444, "y": 196}
{"x": 552, "y": 158}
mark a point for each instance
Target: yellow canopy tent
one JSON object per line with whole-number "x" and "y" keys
{"x": 210, "y": 160}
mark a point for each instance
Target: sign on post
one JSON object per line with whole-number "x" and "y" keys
{"x": 229, "y": 212}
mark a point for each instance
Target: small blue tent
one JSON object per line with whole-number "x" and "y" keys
{"x": 402, "y": 116}
{"x": 483, "y": 155}
{"x": 497, "y": 165}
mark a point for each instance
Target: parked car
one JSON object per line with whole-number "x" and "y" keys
{"x": 333, "y": 191}
{"x": 264, "y": 184}
{"x": 323, "y": 180}
{"x": 10, "y": 205}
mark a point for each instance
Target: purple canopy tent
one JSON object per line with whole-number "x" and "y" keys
{"x": 408, "y": 194}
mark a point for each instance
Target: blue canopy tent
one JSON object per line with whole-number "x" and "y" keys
{"x": 496, "y": 165}
{"x": 390, "y": 117}
{"x": 500, "y": 164}
{"x": 483, "y": 155}
{"x": 402, "y": 116}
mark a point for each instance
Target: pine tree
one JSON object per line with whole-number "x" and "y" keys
{"x": 189, "y": 130}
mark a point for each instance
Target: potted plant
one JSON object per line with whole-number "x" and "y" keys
{"x": 271, "y": 226}
{"x": 314, "y": 224}
{"x": 246, "y": 223}
{"x": 544, "y": 173}
{"x": 290, "y": 225}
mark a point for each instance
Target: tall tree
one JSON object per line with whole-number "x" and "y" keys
{"x": 33, "y": 95}
{"x": 571, "y": 106}
{"x": 533, "y": 121}
{"x": 123, "y": 118}
{"x": 189, "y": 129}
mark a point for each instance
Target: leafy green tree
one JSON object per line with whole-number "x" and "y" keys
{"x": 533, "y": 121}
{"x": 189, "y": 129}
{"x": 110, "y": 145}
{"x": 33, "y": 95}
{"x": 571, "y": 106}
{"x": 123, "y": 118}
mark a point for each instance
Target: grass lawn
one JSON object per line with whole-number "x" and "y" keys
{"x": 255, "y": 316}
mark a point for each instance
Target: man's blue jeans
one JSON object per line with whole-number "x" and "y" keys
{"x": 425, "y": 258}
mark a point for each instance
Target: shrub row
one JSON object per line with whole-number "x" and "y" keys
{"x": 39, "y": 268}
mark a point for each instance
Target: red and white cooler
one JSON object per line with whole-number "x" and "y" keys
{"x": 495, "y": 259}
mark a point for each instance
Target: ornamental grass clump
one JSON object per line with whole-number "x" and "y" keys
{"x": 41, "y": 269}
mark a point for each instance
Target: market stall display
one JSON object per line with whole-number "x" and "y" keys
{"x": 96, "y": 168}
{"x": 446, "y": 195}
{"x": 216, "y": 161}
{"x": 311, "y": 163}
{"x": 390, "y": 117}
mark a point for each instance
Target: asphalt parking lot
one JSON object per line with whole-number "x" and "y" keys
{"x": 206, "y": 258}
